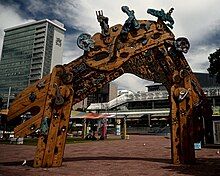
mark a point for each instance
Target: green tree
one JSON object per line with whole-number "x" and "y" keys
{"x": 214, "y": 67}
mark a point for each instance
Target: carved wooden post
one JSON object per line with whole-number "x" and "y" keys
{"x": 145, "y": 48}
{"x": 182, "y": 141}
{"x": 175, "y": 141}
{"x": 186, "y": 124}
{"x": 55, "y": 122}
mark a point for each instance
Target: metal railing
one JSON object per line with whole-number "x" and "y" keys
{"x": 129, "y": 97}
{"x": 212, "y": 91}
{"x": 144, "y": 96}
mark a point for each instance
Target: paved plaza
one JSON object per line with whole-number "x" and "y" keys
{"x": 140, "y": 155}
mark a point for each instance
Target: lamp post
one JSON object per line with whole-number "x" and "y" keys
{"x": 124, "y": 136}
{"x": 8, "y": 101}
{"x": 84, "y": 121}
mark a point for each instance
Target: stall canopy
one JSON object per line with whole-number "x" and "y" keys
{"x": 89, "y": 115}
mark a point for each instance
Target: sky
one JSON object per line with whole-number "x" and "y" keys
{"x": 198, "y": 20}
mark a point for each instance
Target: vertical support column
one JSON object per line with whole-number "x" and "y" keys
{"x": 149, "y": 120}
{"x": 43, "y": 138}
{"x": 124, "y": 135}
{"x": 62, "y": 132}
{"x": 118, "y": 127}
{"x": 186, "y": 135}
{"x": 182, "y": 141}
{"x": 57, "y": 108}
{"x": 175, "y": 138}
{"x": 84, "y": 128}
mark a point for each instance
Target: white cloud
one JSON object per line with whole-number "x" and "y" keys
{"x": 36, "y": 6}
{"x": 71, "y": 51}
{"x": 198, "y": 60}
{"x": 193, "y": 19}
{"x": 8, "y": 18}
{"x": 131, "y": 82}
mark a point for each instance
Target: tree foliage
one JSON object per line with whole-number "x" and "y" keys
{"x": 214, "y": 67}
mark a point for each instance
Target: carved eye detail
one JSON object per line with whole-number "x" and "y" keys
{"x": 182, "y": 44}
{"x": 101, "y": 55}
{"x": 115, "y": 28}
{"x": 156, "y": 35}
{"x": 124, "y": 54}
{"x": 85, "y": 42}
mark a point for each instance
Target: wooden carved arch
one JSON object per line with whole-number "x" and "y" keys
{"x": 145, "y": 48}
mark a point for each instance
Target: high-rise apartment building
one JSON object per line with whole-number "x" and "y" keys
{"x": 29, "y": 52}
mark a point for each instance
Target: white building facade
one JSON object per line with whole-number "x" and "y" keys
{"x": 29, "y": 52}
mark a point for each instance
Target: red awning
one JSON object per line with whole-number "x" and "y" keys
{"x": 89, "y": 115}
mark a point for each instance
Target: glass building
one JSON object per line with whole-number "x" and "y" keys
{"x": 29, "y": 52}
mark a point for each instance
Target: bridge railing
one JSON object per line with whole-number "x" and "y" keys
{"x": 129, "y": 97}
{"x": 212, "y": 91}
{"x": 144, "y": 96}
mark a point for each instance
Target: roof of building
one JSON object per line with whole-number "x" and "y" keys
{"x": 54, "y": 22}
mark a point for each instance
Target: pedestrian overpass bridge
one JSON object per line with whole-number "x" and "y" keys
{"x": 111, "y": 107}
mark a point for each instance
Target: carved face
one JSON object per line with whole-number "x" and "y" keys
{"x": 182, "y": 44}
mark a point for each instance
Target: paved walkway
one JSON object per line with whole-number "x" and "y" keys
{"x": 140, "y": 155}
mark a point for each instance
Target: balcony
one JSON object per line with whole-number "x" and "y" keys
{"x": 36, "y": 61}
{"x": 35, "y": 72}
{"x": 35, "y": 76}
{"x": 40, "y": 30}
{"x": 39, "y": 40}
{"x": 39, "y": 45}
{"x": 36, "y": 67}
{"x": 38, "y": 36}
{"x": 37, "y": 55}
{"x": 41, "y": 26}
{"x": 38, "y": 51}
